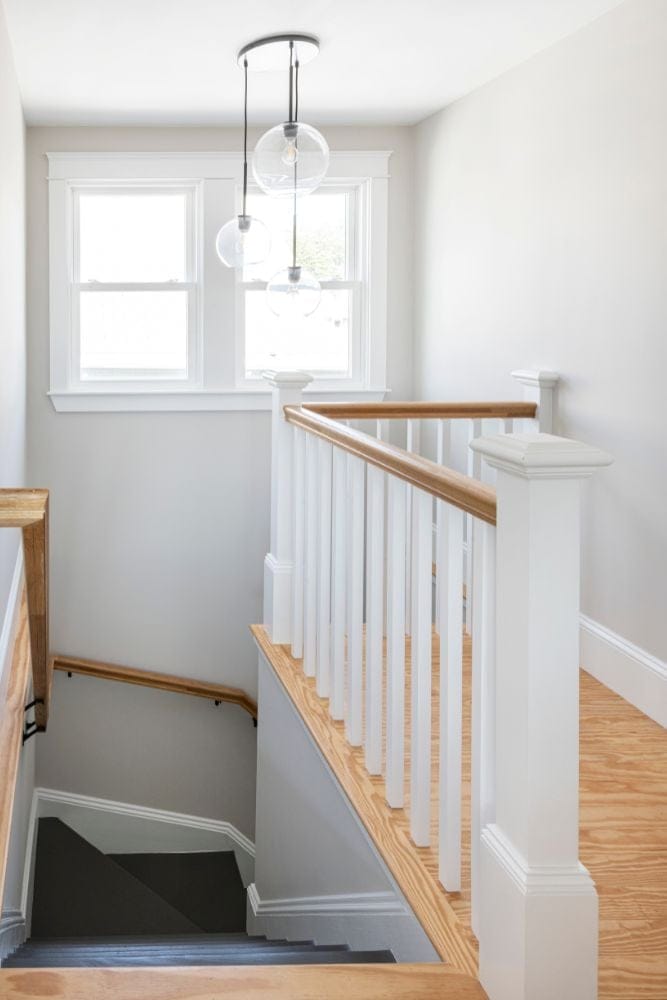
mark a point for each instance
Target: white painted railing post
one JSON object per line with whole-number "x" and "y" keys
{"x": 287, "y": 389}
{"x": 538, "y": 914}
{"x": 540, "y": 387}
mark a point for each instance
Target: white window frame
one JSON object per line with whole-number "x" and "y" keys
{"x": 216, "y": 350}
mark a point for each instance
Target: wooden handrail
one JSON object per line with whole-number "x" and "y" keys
{"x": 422, "y": 410}
{"x": 465, "y": 493}
{"x": 29, "y": 510}
{"x": 12, "y": 715}
{"x": 152, "y": 679}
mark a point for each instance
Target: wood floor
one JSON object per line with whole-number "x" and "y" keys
{"x": 623, "y": 829}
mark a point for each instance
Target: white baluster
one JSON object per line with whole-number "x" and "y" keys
{"x": 374, "y": 618}
{"x": 324, "y": 570}
{"x": 337, "y": 699}
{"x": 310, "y": 576}
{"x": 299, "y": 541}
{"x": 278, "y": 564}
{"x": 483, "y": 701}
{"x": 411, "y": 445}
{"x": 443, "y": 455}
{"x": 396, "y": 550}
{"x": 474, "y": 470}
{"x": 420, "y": 752}
{"x": 355, "y": 594}
{"x": 449, "y": 569}
{"x": 508, "y": 425}
{"x": 538, "y": 927}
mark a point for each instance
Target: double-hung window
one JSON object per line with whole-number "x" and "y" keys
{"x": 143, "y": 315}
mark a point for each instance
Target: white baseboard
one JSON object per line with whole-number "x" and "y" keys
{"x": 362, "y": 920}
{"x": 10, "y": 620}
{"x": 631, "y": 672}
{"x": 12, "y": 932}
{"x": 125, "y": 828}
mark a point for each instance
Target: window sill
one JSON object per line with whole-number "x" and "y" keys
{"x": 193, "y": 400}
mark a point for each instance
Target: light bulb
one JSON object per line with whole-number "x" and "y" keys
{"x": 293, "y": 293}
{"x": 243, "y": 241}
{"x": 277, "y": 152}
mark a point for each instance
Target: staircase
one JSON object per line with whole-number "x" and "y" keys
{"x": 92, "y": 910}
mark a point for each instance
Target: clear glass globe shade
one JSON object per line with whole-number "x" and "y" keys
{"x": 285, "y": 148}
{"x": 293, "y": 293}
{"x": 242, "y": 241}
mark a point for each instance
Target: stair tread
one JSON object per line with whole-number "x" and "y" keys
{"x": 240, "y": 958}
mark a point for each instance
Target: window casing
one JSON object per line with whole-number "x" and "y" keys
{"x": 208, "y": 352}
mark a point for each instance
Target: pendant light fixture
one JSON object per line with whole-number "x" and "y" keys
{"x": 292, "y": 141}
{"x": 243, "y": 240}
{"x": 293, "y": 292}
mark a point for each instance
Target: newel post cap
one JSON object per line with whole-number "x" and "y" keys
{"x": 287, "y": 380}
{"x": 541, "y": 456}
{"x": 536, "y": 377}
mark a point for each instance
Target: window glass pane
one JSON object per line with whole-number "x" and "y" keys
{"x": 320, "y": 343}
{"x": 135, "y": 333}
{"x": 322, "y": 238}
{"x": 132, "y": 236}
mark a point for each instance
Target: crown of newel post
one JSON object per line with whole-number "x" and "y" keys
{"x": 287, "y": 388}
{"x": 538, "y": 916}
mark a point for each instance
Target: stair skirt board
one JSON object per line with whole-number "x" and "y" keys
{"x": 362, "y": 921}
{"x": 12, "y": 932}
{"x": 124, "y": 828}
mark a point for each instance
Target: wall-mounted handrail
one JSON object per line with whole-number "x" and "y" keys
{"x": 462, "y": 491}
{"x": 424, "y": 410}
{"x": 29, "y": 510}
{"x": 152, "y": 679}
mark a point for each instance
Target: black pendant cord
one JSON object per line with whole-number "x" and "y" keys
{"x": 245, "y": 137}
{"x": 296, "y": 91}
{"x": 291, "y": 82}
{"x": 294, "y": 107}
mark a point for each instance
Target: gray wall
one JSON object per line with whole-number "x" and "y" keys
{"x": 310, "y": 843}
{"x": 12, "y": 401}
{"x": 541, "y": 241}
{"x": 150, "y": 748}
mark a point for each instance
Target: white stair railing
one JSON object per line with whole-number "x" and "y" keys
{"x": 349, "y": 584}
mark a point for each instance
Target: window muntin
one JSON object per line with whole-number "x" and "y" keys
{"x": 135, "y": 294}
{"x": 328, "y": 244}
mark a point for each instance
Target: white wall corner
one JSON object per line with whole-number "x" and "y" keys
{"x": 630, "y": 671}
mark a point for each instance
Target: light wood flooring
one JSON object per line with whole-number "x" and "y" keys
{"x": 623, "y": 828}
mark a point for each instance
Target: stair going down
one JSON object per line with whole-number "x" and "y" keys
{"x": 95, "y": 910}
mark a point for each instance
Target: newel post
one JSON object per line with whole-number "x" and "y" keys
{"x": 540, "y": 387}
{"x": 287, "y": 388}
{"x": 538, "y": 912}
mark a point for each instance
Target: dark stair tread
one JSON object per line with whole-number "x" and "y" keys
{"x": 90, "y": 939}
{"x": 206, "y": 887}
{"x": 278, "y": 957}
{"x": 78, "y": 890}
{"x": 181, "y": 950}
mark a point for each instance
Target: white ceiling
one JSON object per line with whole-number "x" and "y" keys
{"x": 89, "y": 62}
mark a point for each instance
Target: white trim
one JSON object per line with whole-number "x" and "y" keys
{"x": 630, "y": 671}
{"x": 207, "y": 165}
{"x": 148, "y": 813}
{"x": 11, "y": 616}
{"x": 126, "y": 401}
{"x": 368, "y": 903}
{"x": 12, "y": 932}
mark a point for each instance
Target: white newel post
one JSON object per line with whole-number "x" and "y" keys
{"x": 540, "y": 387}
{"x": 287, "y": 389}
{"x": 538, "y": 912}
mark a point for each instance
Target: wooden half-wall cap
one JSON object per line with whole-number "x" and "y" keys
{"x": 150, "y": 678}
{"x": 432, "y": 981}
{"x": 28, "y": 509}
{"x": 423, "y": 410}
